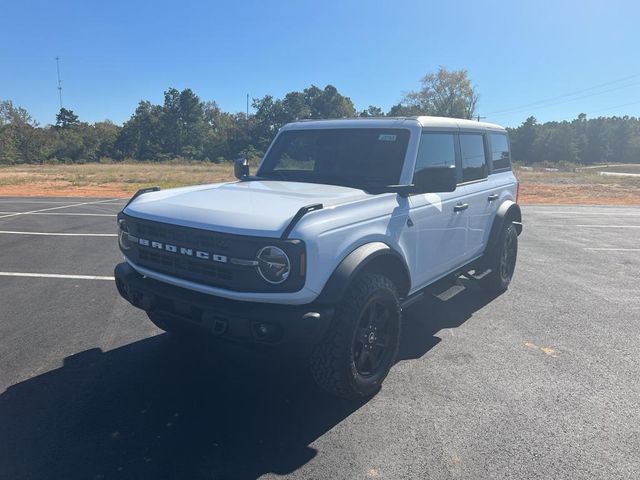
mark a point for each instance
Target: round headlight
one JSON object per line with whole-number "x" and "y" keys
{"x": 123, "y": 235}
{"x": 273, "y": 264}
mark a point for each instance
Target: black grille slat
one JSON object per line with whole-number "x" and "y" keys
{"x": 167, "y": 259}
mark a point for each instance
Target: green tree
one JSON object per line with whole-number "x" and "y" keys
{"x": 313, "y": 102}
{"x": 328, "y": 103}
{"x": 183, "y": 124}
{"x": 598, "y": 141}
{"x": 555, "y": 143}
{"x": 219, "y": 131}
{"x": 371, "y": 111}
{"x": 140, "y": 136}
{"x": 66, "y": 118}
{"x": 524, "y": 141}
{"x": 579, "y": 126}
{"x": 105, "y": 134}
{"x": 402, "y": 110}
{"x": 21, "y": 138}
{"x": 68, "y": 145}
{"x": 270, "y": 115}
{"x": 444, "y": 93}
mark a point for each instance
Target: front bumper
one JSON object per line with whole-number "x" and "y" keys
{"x": 229, "y": 319}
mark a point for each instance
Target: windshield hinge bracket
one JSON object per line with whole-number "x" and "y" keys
{"x": 296, "y": 218}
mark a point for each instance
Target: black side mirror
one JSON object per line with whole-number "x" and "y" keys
{"x": 241, "y": 168}
{"x": 435, "y": 179}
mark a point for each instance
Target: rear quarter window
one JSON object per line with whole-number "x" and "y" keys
{"x": 500, "y": 156}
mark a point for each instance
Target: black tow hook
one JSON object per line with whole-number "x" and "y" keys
{"x": 216, "y": 325}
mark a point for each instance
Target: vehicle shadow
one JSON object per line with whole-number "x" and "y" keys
{"x": 425, "y": 319}
{"x": 159, "y": 408}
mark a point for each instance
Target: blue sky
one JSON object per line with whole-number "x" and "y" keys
{"x": 115, "y": 53}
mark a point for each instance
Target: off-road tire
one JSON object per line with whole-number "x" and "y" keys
{"x": 332, "y": 361}
{"x": 501, "y": 260}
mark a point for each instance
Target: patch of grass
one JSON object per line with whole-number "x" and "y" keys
{"x": 127, "y": 176}
{"x": 121, "y": 179}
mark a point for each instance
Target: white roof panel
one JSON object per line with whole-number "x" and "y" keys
{"x": 393, "y": 122}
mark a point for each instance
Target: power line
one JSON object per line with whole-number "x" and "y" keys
{"x": 571, "y": 94}
{"x": 617, "y": 106}
{"x": 578, "y": 98}
{"x": 59, "y": 81}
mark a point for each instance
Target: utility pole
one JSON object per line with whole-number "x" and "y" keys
{"x": 59, "y": 81}
{"x": 247, "y": 114}
{"x": 479, "y": 117}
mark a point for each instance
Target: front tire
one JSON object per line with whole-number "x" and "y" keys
{"x": 362, "y": 342}
{"x": 502, "y": 261}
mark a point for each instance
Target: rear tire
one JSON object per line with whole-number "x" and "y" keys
{"x": 502, "y": 261}
{"x": 362, "y": 342}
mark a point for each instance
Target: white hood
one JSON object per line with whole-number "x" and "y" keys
{"x": 258, "y": 207}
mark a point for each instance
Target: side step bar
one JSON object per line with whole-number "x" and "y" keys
{"x": 450, "y": 292}
{"x": 444, "y": 289}
{"x": 478, "y": 275}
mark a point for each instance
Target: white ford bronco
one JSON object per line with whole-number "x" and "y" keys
{"x": 344, "y": 224}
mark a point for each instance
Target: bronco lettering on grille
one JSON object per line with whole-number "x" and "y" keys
{"x": 189, "y": 252}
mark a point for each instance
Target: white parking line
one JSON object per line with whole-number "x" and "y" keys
{"x": 613, "y": 249}
{"x": 54, "y": 275}
{"x": 41, "y": 201}
{"x": 11, "y": 232}
{"x": 55, "y": 208}
{"x": 54, "y": 202}
{"x": 68, "y": 214}
{"x": 609, "y": 226}
{"x": 594, "y": 213}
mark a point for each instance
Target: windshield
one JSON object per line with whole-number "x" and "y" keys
{"x": 354, "y": 157}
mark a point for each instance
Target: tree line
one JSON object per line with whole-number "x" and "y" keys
{"x": 580, "y": 141}
{"x": 184, "y": 126}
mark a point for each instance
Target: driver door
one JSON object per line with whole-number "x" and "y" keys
{"x": 440, "y": 230}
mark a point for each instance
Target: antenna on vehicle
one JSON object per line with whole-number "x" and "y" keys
{"x": 59, "y": 81}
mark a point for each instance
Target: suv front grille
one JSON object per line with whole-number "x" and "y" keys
{"x": 177, "y": 264}
{"x": 218, "y": 272}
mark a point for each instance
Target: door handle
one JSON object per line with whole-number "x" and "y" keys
{"x": 460, "y": 207}
{"x": 492, "y": 197}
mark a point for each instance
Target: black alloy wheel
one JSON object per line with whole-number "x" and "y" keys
{"x": 371, "y": 342}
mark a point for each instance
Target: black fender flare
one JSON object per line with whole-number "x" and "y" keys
{"x": 357, "y": 261}
{"x": 508, "y": 211}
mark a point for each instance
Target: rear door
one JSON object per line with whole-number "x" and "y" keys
{"x": 500, "y": 172}
{"x": 476, "y": 191}
{"x": 440, "y": 230}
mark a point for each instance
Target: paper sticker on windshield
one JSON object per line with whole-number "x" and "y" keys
{"x": 387, "y": 138}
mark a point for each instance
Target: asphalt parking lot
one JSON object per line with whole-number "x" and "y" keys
{"x": 540, "y": 382}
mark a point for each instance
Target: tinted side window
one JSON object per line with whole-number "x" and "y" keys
{"x": 474, "y": 163}
{"x": 436, "y": 150}
{"x": 500, "y": 151}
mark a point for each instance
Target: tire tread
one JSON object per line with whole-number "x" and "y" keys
{"x": 328, "y": 360}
